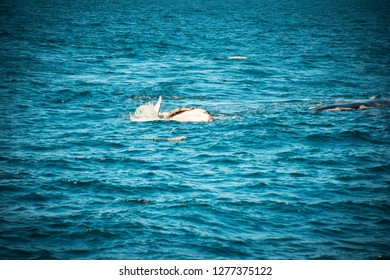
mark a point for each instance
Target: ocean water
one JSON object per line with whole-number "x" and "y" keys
{"x": 269, "y": 179}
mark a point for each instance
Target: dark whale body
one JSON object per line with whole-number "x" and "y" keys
{"x": 377, "y": 101}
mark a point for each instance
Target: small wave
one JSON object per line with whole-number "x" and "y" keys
{"x": 96, "y": 233}
{"x": 227, "y": 117}
{"x": 384, "y": 168}
{"x": 33, "y": 197}
{"x": 85, "y": 183}
{"x": 173, "y": 139}
{"x": 237, "y": 57}
{"x": 358, "y": 135}
{"x": 353, "y": 135}
{"x": 138, "y": 201}
{"x": 169, "y": 139}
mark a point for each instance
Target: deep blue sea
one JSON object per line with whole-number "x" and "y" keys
{"x": 269, "y": 179}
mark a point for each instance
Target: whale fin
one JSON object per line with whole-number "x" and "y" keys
{"x": 379, "y": 96}
{"x": 158, "y": 105}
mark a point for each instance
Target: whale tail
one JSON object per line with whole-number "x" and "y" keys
{"x": 158, "y": 105}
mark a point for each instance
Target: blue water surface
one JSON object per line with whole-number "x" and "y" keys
{"x": 269, "y": 179}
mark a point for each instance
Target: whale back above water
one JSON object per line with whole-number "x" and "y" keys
{"x": 189, "y": 115}
{"x": 377, "y": 101}
{"x": 186, "y": 114}
{"x": 151, "y": 112}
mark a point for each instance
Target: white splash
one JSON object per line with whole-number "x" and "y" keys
{"x": 237, "y": 57}
{"x": 144, "y": 113}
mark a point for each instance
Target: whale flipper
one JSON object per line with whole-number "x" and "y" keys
{"x": 158, "y": 105}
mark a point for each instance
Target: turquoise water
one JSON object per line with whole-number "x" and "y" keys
{"x": 269, "y": 179}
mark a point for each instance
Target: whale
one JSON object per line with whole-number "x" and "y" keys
{"x": 184, "y": 114}
{"x": 377, "y": 101}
